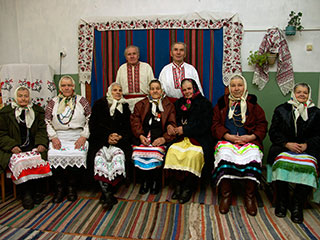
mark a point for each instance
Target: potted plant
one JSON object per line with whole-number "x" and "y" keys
{"x": 294, "y": 23}
{"x": 261, "y": 59}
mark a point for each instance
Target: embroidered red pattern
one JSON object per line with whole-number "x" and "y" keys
{"x": 133, "y": 81}
{"x": 178, "y": 75}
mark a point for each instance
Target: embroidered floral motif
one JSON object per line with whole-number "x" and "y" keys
{"x": 232, "y": 39}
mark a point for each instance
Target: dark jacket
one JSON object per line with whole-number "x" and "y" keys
{"x": 168, "y": 116}
{"x": 282, "y": 130}
{"x": 255, "y": 123}
{"x": 101, "y": 125}
{"x": 199, "y": 119}
{"x": 10, "y": 133}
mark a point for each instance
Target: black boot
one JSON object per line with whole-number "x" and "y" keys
{"x": 187, "y": 189}
{"x": 144, "y": 188}
{"x": 300, "y": 196}
{"x": 71, "y": 189}
{"x": 27, "y": 201}
{"x": 155, "y": 184}
{"x": 109, "y": 199}
{"x": 38, "y": 196}
{"x": 59, "y": 190}
{"x": 177, "y": 190}
{"x": 282, "y": 199}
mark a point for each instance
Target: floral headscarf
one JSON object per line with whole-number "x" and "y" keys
{"x": 300, "y": 109}
{"x": 29, "y": 113}
{"x": 234, "y": 101}
{"x": 113, "y": 103}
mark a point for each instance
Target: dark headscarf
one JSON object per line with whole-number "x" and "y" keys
{"x": 188, "y": 101}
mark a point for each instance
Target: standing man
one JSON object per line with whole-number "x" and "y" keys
{"x": 134, "y": 76}
{"x": 172, "y": 74}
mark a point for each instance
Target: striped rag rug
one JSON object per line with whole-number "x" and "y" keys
{"x": 152, "y": 217}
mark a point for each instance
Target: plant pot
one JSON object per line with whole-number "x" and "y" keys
{"x": 272, "y": 58}
{"x": 291, "y": 30}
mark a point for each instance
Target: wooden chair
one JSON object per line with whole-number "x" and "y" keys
{"x": 3, "y": 188}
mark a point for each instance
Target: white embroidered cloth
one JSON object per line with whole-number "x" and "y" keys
{"x": 109, "y": 162}
{"x": 67, "y": 155}
{"x": 24, "y": 162}
{"x": 37, "y": 77}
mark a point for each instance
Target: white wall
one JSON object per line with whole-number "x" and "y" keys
{"x": 34, "y": 31}
{"x": 9, "y": 44}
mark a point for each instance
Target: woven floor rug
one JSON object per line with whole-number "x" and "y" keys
{"x": 152, "y": 217}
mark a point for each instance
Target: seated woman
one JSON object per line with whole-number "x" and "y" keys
{"x": 149, "y": 122}
{"x": 294, "y": 154}
{"x": 67, "y": 118}
{"x": 240, "y": 125}
{"x": 110, "y": 142}
{"x": 186, "y": 158}
{"x": 23, "y": 145}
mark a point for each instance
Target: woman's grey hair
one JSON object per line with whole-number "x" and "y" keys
{"x": 302, "y": 85}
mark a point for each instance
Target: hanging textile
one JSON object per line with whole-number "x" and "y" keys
{"x": 213, "y": 47}
{"x": 36, "y": 77}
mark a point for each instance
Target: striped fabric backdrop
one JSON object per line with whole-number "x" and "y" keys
{"x": 204, "y": 52}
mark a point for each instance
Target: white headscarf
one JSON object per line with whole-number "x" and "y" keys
{"x": 234, "y": 101}
{"x": 113, "y": 103}
{"x": 29, "y": 113}
{"x": 66, "y": 101}
{"x": 156, "y": 102}
{"x": 300, "y": 109}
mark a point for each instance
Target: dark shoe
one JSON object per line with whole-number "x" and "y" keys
{"x": 226, "y": 196}
{"x": 58, "y": 195}
{"x": 155, "y": 187}
{"x": 72, "y": 194}
{"x": 27, "y": 201}
{"x": 102, "y": 199}
{"x": 280, "y": 211}
{"x": 144, "y": 188}
{"x": 185, "y": 195}
{"x": 250, "y": 198}
{"x": 107, "y": 193}
{"x": 177, "y": 191}
{"x": 38, "y": 198}
{"x": 282, "y": 199}
{"x": 300, "y": 196}
{"x": 110, "y": 201}
{"x": 296, "y": 212}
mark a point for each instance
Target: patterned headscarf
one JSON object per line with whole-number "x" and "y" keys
{"x": 187, "y": 101}
{"x": 300, "y": 109}
{"x": 234, "y": 101}
{"x": 66, "y": 101}
{"x": 113, "y": 103}
{"x": 156, "y": 102}
{"x": 29, "y": 113}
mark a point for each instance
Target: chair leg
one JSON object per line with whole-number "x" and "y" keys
{"x": 3, "y": 188}
{"x": 14, "y": 190}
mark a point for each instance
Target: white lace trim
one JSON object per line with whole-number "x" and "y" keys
{"x": 65, "y": 161}
{"x": 174, "y": 167}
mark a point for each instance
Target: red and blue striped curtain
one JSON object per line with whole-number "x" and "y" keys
{"x": 204, "y": 52}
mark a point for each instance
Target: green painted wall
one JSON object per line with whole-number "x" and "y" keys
{"x": 268, "y": 98}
